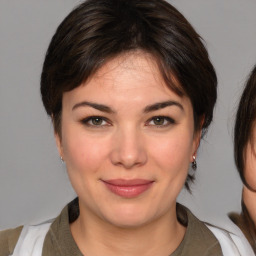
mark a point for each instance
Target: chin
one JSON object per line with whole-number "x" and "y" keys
{"x": 129, "y": 217}
{"x": 128, "y": 223}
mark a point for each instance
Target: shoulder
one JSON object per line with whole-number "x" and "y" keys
{"x": 210, "y": 239}
{"x": 231, "y": 240}
{"x": 8, "y": 240}
{"x": 244, "y": 222}
{"x": 198, "y": 239}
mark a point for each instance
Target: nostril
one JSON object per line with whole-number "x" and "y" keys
{"x": 128, "y": 148}
{"x": 128, "y": 160}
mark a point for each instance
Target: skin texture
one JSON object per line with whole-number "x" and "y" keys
{"x": 249, "y": 196}
{"x": 250, "y": 164}
{"x": 127, "y": 142}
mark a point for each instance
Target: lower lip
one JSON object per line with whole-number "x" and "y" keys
{"x": 129, "y": 191}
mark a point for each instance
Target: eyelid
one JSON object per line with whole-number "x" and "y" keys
{"x": 85, "y": 121}
{"x": 166, "y": 118}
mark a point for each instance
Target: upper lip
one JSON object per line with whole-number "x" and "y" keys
{"x": 124, "y": 182}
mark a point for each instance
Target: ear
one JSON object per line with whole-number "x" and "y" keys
{"x": 196, "y": 143}
{"x": 58, "y": 144}
{"x": 197, "y": 139}
{"x": 57, "y": 136}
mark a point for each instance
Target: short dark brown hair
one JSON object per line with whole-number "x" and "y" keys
{"x": 244, "y": 123}
{"x": 98, "y": 30}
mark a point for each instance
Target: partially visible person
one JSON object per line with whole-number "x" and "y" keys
{"x": 245, "y": 159}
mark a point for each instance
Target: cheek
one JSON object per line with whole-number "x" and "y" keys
{"x": 250, "y": 166}
{"x": 84, "y": 153}
{"x": 250, "y": 169}
{"x": 173, "y": 153}
{"x": 172, "y": 156}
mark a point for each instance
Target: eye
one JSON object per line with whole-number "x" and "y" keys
{"x": 95, "y": 121}
{"x": 160, "y": 121}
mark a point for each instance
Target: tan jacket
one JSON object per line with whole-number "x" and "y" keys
{"x": 198, "y": 239}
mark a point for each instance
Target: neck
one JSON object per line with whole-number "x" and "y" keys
{"x": 95, "y": 236}
{"x": 249, "y": 199}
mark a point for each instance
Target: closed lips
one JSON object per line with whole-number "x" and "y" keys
{"x": 128, "y": 188}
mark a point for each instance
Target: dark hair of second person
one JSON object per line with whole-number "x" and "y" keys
{"x": 244, "y": 126}
{"x": 245, "y": 158}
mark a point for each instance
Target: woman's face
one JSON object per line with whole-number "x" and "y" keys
{"x": 127, "y": 141}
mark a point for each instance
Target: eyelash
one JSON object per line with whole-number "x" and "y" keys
{"x": 89, "y": 121}
{"x": 166, "y": 119}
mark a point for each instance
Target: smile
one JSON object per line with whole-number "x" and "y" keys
{"x": 128, "y": 188}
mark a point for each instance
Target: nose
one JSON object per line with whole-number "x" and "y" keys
{"x": 128, "y": 149}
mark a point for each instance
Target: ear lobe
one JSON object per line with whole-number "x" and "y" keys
{"x": 195, "y": 148}
{"x": 198, "y": 133}
{"x": 198, "y": 138}
{"x": 57, "y": 138}
{"x": 196, "y": 144}
{"x": 58, "y": 144}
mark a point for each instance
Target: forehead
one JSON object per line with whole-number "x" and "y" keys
{"x": 124, "y": 71}
{"x": 131, "y": 77}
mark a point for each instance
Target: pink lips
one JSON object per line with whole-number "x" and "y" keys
{"x": 128, "y": 188}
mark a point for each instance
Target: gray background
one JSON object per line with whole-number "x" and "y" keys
{"x": 33, "y": 183}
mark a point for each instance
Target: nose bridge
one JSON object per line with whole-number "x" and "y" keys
{"x": 129, "y": 149}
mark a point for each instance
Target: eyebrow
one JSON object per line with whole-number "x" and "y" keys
{"x": 97, "y": 106}
{"x": 161, "y": 105}
{"x": 147, "y": 109}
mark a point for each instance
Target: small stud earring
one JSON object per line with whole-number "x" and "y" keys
{"x": 62, "y": 160}
{"x": 194, "y": 164}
